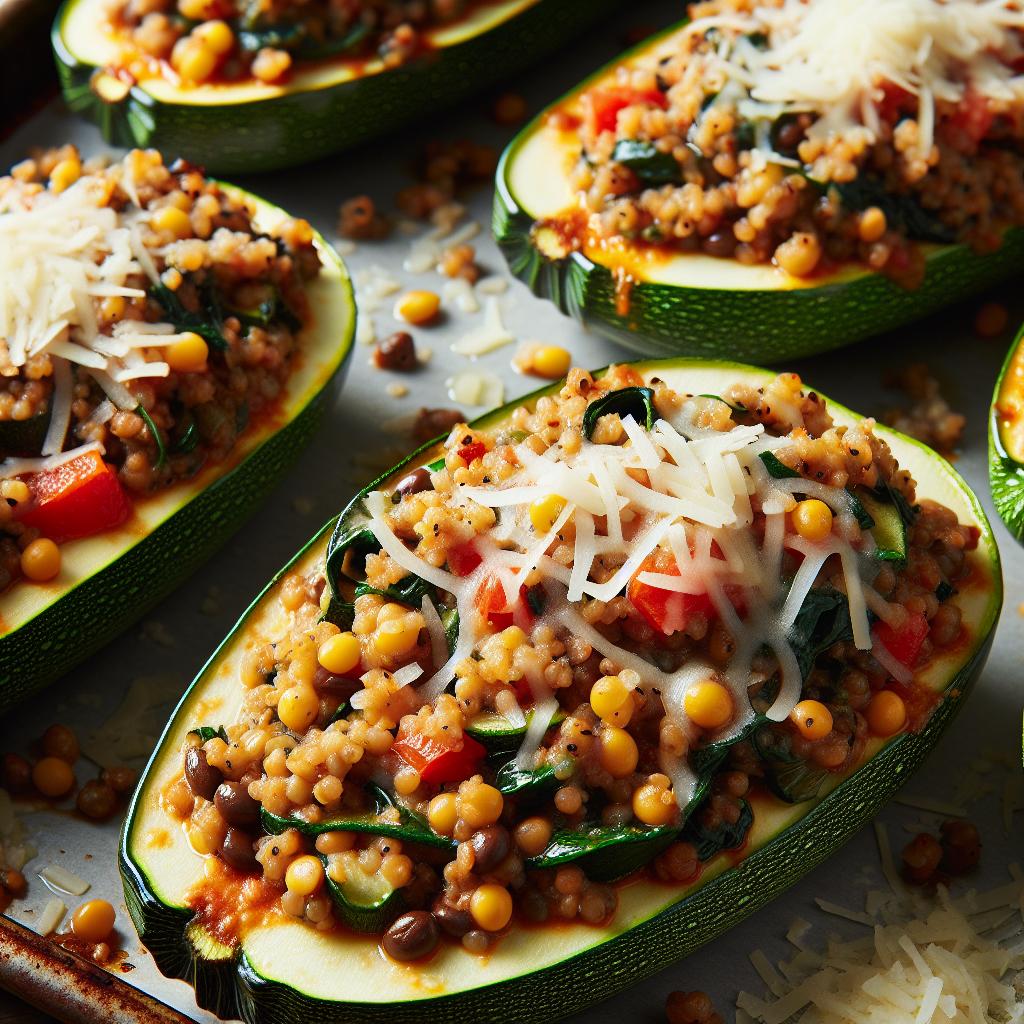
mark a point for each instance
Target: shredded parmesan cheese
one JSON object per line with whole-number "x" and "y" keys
{"x": 834, "y": 57}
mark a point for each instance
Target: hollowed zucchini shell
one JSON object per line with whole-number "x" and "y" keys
{"x": 287, "y": 971}
{"x": 107, "y": 581}
{"x": 326, "y": 106}
{"x": 1006, "y": 440}
{"x": 695, "y": 304}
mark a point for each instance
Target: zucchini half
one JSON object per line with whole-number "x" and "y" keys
{"x": 286, "y": 971}
{"x": 109, "y": 580}
{"x": 326, "y": 106}
{"x": 1006, "y": 440}
{"x": 691, "y": 303}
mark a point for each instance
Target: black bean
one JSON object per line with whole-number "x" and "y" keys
{"x": 236, "y": 807}
{"x": 490, "y": 847}
{"x": 236, "y": 850}
{"x": 418, "y": 480}
{"x": 720, "y": 243}
{"x": 202, "y": 778}
{"x": 452, "y": 921}
{"x": 412, "y": 936}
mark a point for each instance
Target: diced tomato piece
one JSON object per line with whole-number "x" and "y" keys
{"x": 666, "y": 611}
{"x": 437, "y": 761}
{"x": 895, "y": 101}
{"x": 79, "y": 498}
{"x": 972, "y": 119}
{"x": 469, "y": 452}
{"x": 464, "y": 558}
{"x": 904, "y": 644}
{"x": 601, "y": 106}
{"x": 493, "y": 606}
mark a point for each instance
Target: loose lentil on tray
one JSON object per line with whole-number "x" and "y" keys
{"x": 349, "y": 712}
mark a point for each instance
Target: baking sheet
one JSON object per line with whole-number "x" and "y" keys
{"x": 137, "y": 679}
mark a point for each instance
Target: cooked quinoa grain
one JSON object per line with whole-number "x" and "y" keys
{"x": 443, "y": 683}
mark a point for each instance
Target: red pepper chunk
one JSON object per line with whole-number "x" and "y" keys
{"x": 666, "y": 611}
{"x": 491, "y": 603}
{"x": 463, "y": 559}
{"x": 601, "y": 106}
{"x": 904, "y": 644}
{"x": 469, "y": 452}
{"x": 494, "y": 609}
{"x": 77, "y": 499}
{"x": 437, "y": 761}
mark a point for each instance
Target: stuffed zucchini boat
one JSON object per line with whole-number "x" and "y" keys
{"x": 241, "y": 87}
{"x": 736, "y": 182}
{"x": 167, "y": 344}
{"x": 1006, "y": 441}
{"x": 680, "y": 623}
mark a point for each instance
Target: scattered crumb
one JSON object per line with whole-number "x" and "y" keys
{"x": 359, "y": 218}
{"x": 158, "y": 633}
{"x": 991, "y": 319}
{"x": 396, "y": 390}
{"x": 490, "y": 335}
{"x": 509, "y": 108}
{"x": 492, "y": 285}
{"x": 476, "y": 387}
{"x": 929, "y": 418}
{"x": 459, "y": 293}
{"x": 211, "y": 604}
{"x": 429, "y": 423}
{"x": 691, "y": 1008}
{"x": 444, "y": 168}
{"x": 425, "y": 354}
{"x": 460, "y": 261}
{"x": 366, "y": 331}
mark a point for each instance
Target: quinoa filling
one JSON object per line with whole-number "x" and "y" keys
{"x": 582, "y": 644}
{"x": 809, "y": 134}
{"x": 145, "y": 323}
{"x": 191, "y": 42}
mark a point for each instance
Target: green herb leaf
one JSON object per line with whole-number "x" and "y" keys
{"x": 647, "y": 162}
{"x": 206, "y": 732}
{"x": 207, "y": 327}
{"x": 409, "y": 590}
{"x": 161, "y": 451}
{"x": 350, "y": 543}
{"x": 726, "y": 837}
{"x": 636, "y": 402}
{"x": 513, "y": 780}
{"x": 823, "y": 620}
{"x": 735, "y": 406}
{"x": 776, "y": 468}
{"x": 605, "y": 852}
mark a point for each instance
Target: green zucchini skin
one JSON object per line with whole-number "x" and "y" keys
{"x": 755, "y": 325}
{"x": 98, "y": 607}
{"x": 1005, "y": 470}
{"x": 301, "y": 125}
{"x": 617, "y": 959}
